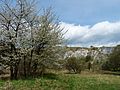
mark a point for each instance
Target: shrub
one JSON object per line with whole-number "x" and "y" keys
{"x": 113, "y": 62}
{"x": 74, "y": 64}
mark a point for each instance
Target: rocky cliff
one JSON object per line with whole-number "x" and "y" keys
{"x": 96, "y": 52}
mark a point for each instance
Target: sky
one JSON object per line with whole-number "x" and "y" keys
{"x": 87, "y": 22}
{"x": 84, "y": 12}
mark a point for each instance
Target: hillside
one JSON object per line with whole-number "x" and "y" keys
{"x": 95, "y": 52}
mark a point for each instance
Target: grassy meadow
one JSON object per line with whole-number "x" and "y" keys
{"x": 60, "y": 81}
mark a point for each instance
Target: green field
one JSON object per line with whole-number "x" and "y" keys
{"x": 65, "y": 82}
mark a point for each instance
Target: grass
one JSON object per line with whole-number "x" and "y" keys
{"x": 65, "y": 82}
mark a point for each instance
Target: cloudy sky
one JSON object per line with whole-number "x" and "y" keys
{"x": 88, "y": 22}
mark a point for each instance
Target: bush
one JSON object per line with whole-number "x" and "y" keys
{"x": 113, "y": 62}
{"x": 74, "y": 64}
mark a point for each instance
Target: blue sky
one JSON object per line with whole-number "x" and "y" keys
{"x": 89, "y": 22}
{"x": 84, "y": 12}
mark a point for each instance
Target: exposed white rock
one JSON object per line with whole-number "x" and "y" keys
{"x": 97, "y": 53}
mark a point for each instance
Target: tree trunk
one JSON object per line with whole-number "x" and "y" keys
{"x": 89, "y": 66}
{"x": 16, "y": 67}
{"x": 35, "y": 68}
{"x": 11, "y": 73}
{"x": 24, "y": 63}
{"x": 29, "y": 64}
{"x": 15, "y": 72}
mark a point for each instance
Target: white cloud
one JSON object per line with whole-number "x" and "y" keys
{"x": 101, "y": 34}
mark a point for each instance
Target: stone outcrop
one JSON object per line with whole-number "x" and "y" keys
{"x": 95, "y": 52}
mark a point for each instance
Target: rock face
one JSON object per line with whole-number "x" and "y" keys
{"x": 96, "y": 53}
{"x": 106, "y": 50}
